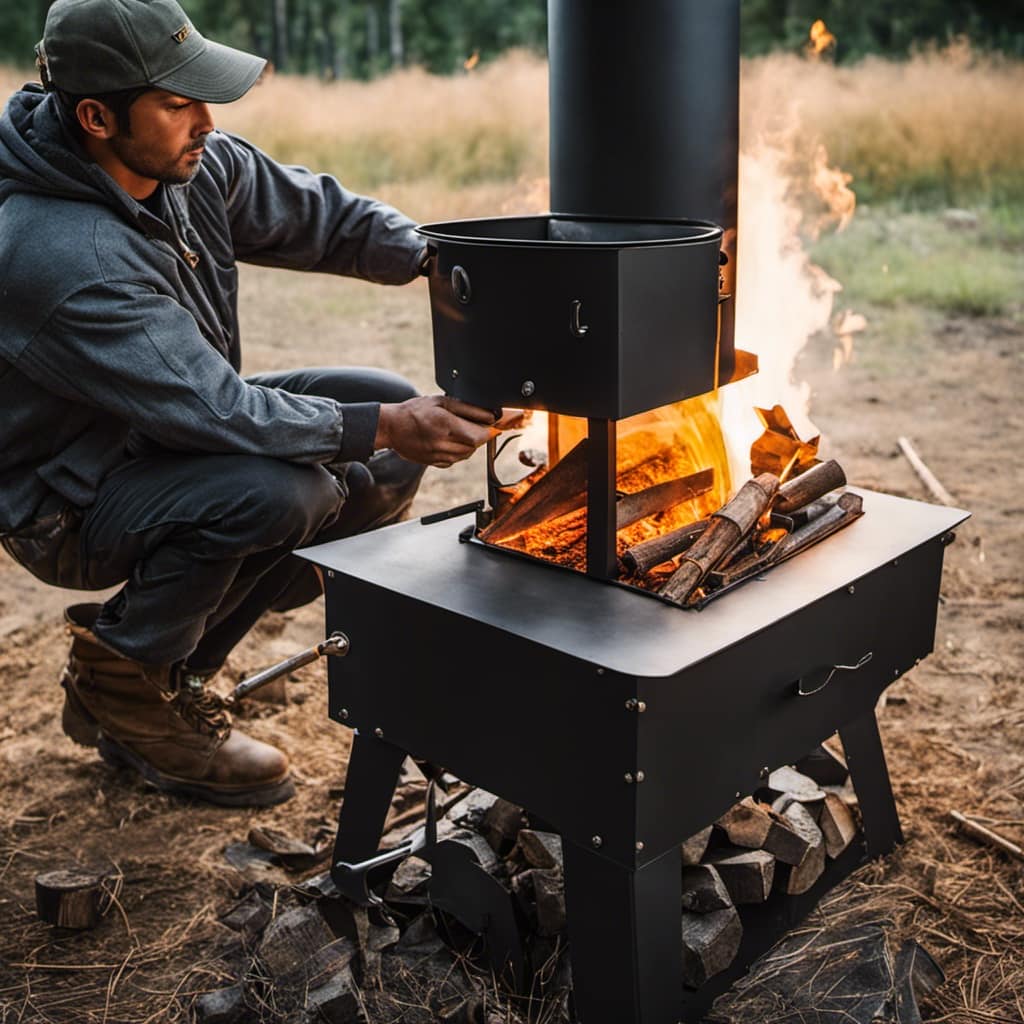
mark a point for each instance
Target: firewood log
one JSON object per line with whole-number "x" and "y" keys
{"x": 747, "y": 874}
{"x": 824, "y": 766}
{"x": 694, "y": 848}
{"x": 704, "y": 890}
{"x": 540, "y": 849}
{"x": 710, "y": 944}
{"x": 73, "y": 898}
{"x": 501, "y": 824}
{"x": 727, "y": 528}
{"x": 798, "y": 878}
{"x": 631, "y": 508}
{"x": 837, "y": 825}
{"x": 809, "y": 486}
{"x": 647, "y": 554}
{"x": 756, "y": 826}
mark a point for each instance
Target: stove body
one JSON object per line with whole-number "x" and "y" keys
{"x": 557, "y": 692}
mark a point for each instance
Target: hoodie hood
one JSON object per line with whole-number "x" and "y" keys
{"x": 38, "y": 156}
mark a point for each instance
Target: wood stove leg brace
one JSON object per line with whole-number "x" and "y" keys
{"x": 602, "y": 560}
{"x": 624, "y": 938}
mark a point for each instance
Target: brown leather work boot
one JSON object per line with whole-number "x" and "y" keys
{"x": 165, "y": 724}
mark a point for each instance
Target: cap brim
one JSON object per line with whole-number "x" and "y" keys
{"x": 220, "y": 74}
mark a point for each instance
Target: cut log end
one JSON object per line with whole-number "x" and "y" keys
{"x": 72, "y": 898}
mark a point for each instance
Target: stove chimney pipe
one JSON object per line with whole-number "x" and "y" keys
{"x": 644, "y": 98}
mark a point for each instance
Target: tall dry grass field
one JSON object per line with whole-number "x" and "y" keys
{"x": 944, "y": 127}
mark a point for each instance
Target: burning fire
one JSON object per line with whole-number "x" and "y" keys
{"x": 471, "y": 61}
{"x": 820, "y": 40}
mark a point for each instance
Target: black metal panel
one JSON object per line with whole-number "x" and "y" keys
{"x": 725, "y": 720}
{"x": 644, "y": 98}
{"x": 542, "y": 729}
{"x": 602, "y": 561}
{"x": 579, "y": 317}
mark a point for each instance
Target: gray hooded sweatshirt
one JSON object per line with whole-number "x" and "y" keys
{"x": 112, "y": 343}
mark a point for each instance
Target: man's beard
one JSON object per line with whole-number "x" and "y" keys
{"x": 174, "y": 172}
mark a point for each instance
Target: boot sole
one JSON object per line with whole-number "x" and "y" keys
{"x": 257, "y": 796}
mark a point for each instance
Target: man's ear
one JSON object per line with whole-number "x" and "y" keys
{"x": 98, "y": 121}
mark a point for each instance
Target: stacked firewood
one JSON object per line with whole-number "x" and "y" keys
{"x": 777, "y": 842}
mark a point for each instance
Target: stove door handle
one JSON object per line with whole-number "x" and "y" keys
{"x": 801, "y": 692}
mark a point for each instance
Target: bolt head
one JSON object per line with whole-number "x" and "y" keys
{"x": 639, "y": 845}
{"x": 379, "y": 733}
{"x": 764, "y": 772}
{"x": 455, "y": 374}
{"x": 629, "y": 778}
{"x": 528, "y": 388}
{"x": 596, "y": 842}
{"x": 640, "y": 776}
{"x": 631, "y": 704}
{"x": 641, "y": 706}
{"x": 343, "y": 714}
{"x": 851, "y": 589}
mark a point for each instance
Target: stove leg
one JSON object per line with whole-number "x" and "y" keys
{"x": 866, "y": 759}
{"x": 373, "y": 769}
{"x": 625, "y": 941}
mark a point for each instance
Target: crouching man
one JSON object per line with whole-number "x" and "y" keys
{"x": 131, "y": 450}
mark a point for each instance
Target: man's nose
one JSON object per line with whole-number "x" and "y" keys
{"x": 204, "y": 120}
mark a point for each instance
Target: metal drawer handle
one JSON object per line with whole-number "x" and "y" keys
{"x": 575, "y": 314}
{"x": 801, "y": 692}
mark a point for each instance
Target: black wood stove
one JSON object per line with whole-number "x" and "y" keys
{"x": 624, "y": 723}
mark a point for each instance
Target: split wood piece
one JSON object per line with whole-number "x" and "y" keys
{"x": 631, "y": 508}
{"x": 410, "y": 879}
{"x": 787, "y": 781}
{"x": 562, "y": 489}
{"x": 540, "y": 849}
{"x": 694, "y": 848}
{"x": 747, "y": 874}
{"x": 704, "y": 890}
{"x": 925, "y": 475}
{"x": 809, "y": 486}
{"x": 848, "y": 508}
{"x": 756, "y": 826}
{"x": 469, "y": 812}
{"x": 987, "y": 836}
{"x": 727, "y": 528}
{"x": 824, "y": 766}
{"x": 500, "y": 826}
{"x": 646, "y": 555}
{"x": 224, "y": 1006}
{"x": 73, "y": 898}
{"x": 249, "y": 916}
{"x": 837, "y": 825}
{"x": 710, "y": 944}
{"x": 336, "y": 1002}
{"x": 798, "y": 878}
{"x": 477, "y": 846}
{"x": 540, "y": 893}
{"x": 292, "y": 939}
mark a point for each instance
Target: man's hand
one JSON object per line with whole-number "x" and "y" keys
{"x": 433, "y": 430}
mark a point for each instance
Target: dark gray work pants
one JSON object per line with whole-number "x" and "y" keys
{"x": 205, "y": 541}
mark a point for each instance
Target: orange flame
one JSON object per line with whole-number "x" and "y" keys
{"x": 820, "y": 39}
{"x": 471, "y": 61}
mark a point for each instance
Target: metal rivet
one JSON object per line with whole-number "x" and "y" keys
{"x": 640, "y": 776}
{"x": 528, "y": 388}
{"x": 596, "y": 842}
{"x": 895, "y": 561}
{"x": 765, "y": 772}
{"x": 631, "y": 704}
{"x": 330, "y": 574}
{"x": 639, "y": 845}
{"x": 895, "y": 673}
{"x": 600, "y": 671}
{"x": 851, "y": 589}
{"x": 344, "y": 714}
{"x": 379, "y": 733}
{"x": 629, "y": 778}
{"x": 455, "y": 374}
{"x": 641, "y": 707}
{"x": 737, "y": 794}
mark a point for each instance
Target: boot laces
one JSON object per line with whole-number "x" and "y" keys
{"x": 201, "y": 707}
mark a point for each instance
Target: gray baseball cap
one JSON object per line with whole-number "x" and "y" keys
{"x": 97, "y": 46}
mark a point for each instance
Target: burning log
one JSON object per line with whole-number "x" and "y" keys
{"x": 727, "y": 527}
{"x": 645, "y": 556}
{"x": 562, "y": 489}
{"x": 809, "y": 486}
{"x": 631, "y": 508}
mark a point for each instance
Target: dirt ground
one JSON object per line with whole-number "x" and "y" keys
{"x": 953, "y": 728}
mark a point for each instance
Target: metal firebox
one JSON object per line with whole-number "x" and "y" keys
{"x": 558, "y": 694}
